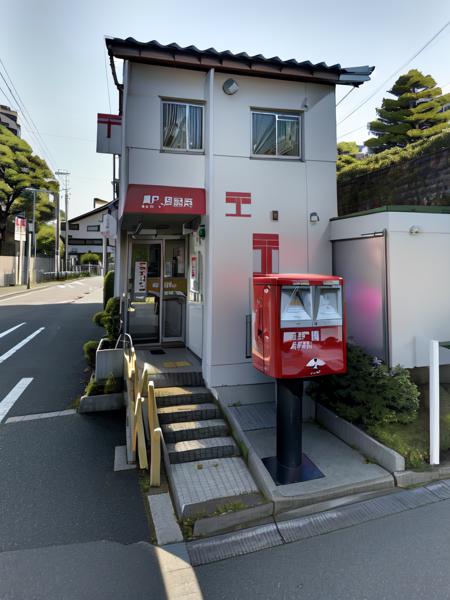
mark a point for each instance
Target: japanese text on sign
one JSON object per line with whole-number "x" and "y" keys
{"x": 157, "y": 201}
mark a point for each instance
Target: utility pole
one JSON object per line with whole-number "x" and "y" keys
{"x": 57, "y": 230}
{"x": 65, "y": 174}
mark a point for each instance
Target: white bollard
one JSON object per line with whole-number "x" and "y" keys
{"x": 434, "y": 403}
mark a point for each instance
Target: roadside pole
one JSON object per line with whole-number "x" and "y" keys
{"x": 29, "y": 262}
{"x": 57, "y": 229}
{"x": 104, "y": 257}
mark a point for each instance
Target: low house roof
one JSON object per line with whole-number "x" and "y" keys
{"x": 191, "y": 57}
{"x": 108, "y": 206}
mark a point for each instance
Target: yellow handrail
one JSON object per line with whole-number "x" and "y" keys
{"x": 138, "y": 388}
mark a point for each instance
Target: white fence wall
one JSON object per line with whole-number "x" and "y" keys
{"x": 9, "y": 270}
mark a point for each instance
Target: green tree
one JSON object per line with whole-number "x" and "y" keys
{"x": 45, "y": 240}
{"x": 418, "y": 111}
{"x": 90, "y": 258}
{"x": 19, "y": 169}
{"x": 347, "y": 152}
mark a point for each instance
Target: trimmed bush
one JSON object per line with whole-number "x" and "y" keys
{"x": 108, "y": 287}
{"x": 89, "y": 258}
{"x": 368, "y": 394}
{"x": 113, "y": 385}
{"x": 109, "y": 318}
{"x": 89, "y": 350}
{"x": 93, "y": 388}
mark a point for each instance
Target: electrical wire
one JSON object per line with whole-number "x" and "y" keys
{"x": 415, "y": 55}
{"x": 20, "y": 105}
{"x": 346, "y": 96}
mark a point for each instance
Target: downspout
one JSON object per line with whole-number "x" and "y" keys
{"x": 209, "y": 262}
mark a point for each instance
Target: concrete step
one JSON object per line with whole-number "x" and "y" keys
{"x": 177, "y": 378}
{"x": 188, "y": 412}
{"x": 194, "y": 430}
{"x": 172, "y": 396}
{"x": 204, "y": 449}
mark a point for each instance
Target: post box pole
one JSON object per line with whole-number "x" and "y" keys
{"x": 289, "y": 422}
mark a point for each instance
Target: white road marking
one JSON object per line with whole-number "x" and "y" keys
{"x": 8, "y": 402}
{"x": 18, "y": 346}
{"x": 61, "y": 286}
{"x": 38, "y": 416}
{"x": 12, "y": 329}
{"x": 78, "y": 283}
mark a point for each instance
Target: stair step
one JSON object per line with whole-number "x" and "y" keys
{"x": 203, "y": 449}
{"x": 177, "y": 378}
{"x": 194, "y": 430}
{"x": 188, "y": 412}
{"x": 172, "y": 396}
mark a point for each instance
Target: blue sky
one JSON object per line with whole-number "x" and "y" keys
{"x": 54, "y": 52}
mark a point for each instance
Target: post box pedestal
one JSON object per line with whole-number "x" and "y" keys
{"x": 290, "y": 465}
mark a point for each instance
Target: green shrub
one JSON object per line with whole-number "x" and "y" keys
{"x": 89, "y": 258}
{"x": 368, "y": 394}
{"x": 109, "y": 318}
{"x": 113, "y": 385}
{"x": 89, "y": 350}
{"x": 98, "y": 318}
{"x": 108, "y": 287}
{"x": 94, "y": 388}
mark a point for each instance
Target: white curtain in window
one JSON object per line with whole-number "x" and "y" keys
{"x": 174, "y": 126}
{"x": 264, "y": 134}
{"x": 195, "y": 124}
{"x": 288, "y": 138}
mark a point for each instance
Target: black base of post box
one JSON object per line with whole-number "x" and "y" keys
{"x": 290, "y": 465}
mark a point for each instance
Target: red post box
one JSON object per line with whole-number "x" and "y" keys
{"x": 298, "y": 333}
{"x": 298, "y": 325}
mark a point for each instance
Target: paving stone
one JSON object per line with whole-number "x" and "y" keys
{"x": 191, "y": 430}
{"x": 197, "y": 483}
{"x": 188, "y": 412}
{"x": 202, "y": 449}
{"x": 255, "y": 416}
{"x": 120, "y": 459}
{"x": 441, "y": 489}
{"x": 234, "y": 544}
{"x": 166, "y": 526}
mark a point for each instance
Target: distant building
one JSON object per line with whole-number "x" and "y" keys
{"x": 8, "y": 118}
{"x": 84, "y": 231}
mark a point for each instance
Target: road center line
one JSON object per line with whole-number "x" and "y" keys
{"x": 8, "y": 401}
{"x": 12, "y": 329}
{"x": 18, "y": 346}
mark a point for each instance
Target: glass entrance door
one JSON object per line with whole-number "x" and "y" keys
{"x": 145, "y": 291}
{"x": 175, "y": 290}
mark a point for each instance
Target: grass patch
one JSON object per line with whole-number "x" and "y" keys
{"x": 229, "y": 508}
{"x": 411, "y": 440}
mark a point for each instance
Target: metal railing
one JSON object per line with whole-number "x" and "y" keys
{"x": 141, "y": 394}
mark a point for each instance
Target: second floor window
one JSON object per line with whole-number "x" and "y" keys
{"x": 182, "y": 127}
{"x": 275, "y": 134}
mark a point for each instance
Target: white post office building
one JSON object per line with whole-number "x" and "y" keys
{"x": 227, "y": 169}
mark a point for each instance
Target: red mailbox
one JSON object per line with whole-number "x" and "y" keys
{"x": 298, "y": 325}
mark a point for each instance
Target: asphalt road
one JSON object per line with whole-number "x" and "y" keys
{"x": 70, "y": 527}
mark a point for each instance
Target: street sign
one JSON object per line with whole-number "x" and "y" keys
{"x": 20, "y": 229}
{"x": 108, "y": 226}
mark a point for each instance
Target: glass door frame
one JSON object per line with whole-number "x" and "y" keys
{"x": 148, "y": 242}
{"x": 181, "y": 338}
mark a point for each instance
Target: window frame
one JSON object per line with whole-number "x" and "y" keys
{"x": 92, "y": 228}
{"x": 277, "y": 114}
{"x": 187, "y": 104}
{"x": 74, "y": 226}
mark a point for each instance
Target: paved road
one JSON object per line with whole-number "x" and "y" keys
{"x": 401, "y": 557}
{"x": 70, "y": 527}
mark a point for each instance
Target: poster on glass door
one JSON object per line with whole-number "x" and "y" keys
{"x": 140, "y": 276}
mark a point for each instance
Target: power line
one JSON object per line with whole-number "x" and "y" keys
{"x": 352, "y": 131}
{"x": 415, "y": 55}
{"x": 346, "y": 95}
{"x": 20, "y": 105}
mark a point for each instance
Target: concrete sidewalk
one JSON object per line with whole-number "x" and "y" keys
{"x": 16, "y": 290}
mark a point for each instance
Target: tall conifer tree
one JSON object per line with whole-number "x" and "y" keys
{"x": 418, "y": 111}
